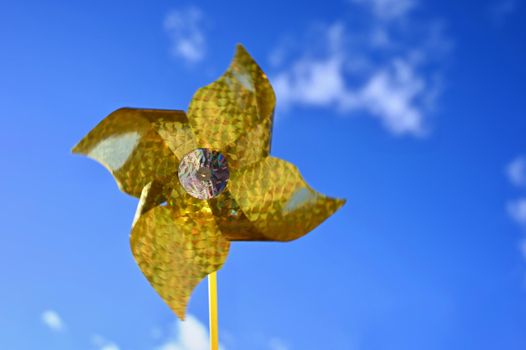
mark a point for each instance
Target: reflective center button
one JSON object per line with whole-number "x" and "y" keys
{"x": 203, "y": 173}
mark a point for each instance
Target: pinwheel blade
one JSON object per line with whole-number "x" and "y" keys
{"x": 234, "y": 113}
{"x": 139, "y": 145}
{"x": 176, "y": 252}
{"x": 278, "y": 202}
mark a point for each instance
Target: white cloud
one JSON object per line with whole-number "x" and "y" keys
{"x": 516, "y": 171}
{"x": 277, "y": 344}
{"x": 185, "y": 30}
{"x": 188, "y": 335}
{"x": 53, "y": 320}
{"x": 391, "y": 95}
{"x": 314, "y": 82}
{"x": 103, "y": 344}
{"x": 517, "y": 210}
{"x": 110, "y": 346}
{"x": 388, "y": 9}
{"x": 389, "y": 71}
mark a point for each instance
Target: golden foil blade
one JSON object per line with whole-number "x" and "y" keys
{"x": 234, "y": 224}
{"x": 278, "y": 202}
{"x": 178, "y": 239}
{"x": 234, "y": 113}
{"x": 139, "y": 145}
{"x": 176, "y": 252}
{"x": 153, "y": 195}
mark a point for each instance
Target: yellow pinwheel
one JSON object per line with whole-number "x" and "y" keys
{"x": 205, "y": 179}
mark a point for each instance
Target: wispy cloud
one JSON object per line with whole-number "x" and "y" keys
{"x": 277, "y": 344}
{"x": 517, "y": 210}
{"x": 388, "y": 69}
{"x": 52, "y": 320}
{"x": 516, "y": 171}
{"x": 184, "y": 28}
{"x": 391, "y": 94}
{"x": 388, "y": 9}
{"x": 102, "y": 343}
{"x": 188, "y": 335}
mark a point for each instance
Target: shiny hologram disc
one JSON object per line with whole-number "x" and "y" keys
{"x": 203, "y": 173}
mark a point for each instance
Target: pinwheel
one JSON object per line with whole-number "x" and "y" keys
{"x": 205, "y": 178}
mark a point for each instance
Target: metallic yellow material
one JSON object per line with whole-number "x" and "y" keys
{"x": 152, "y": 195}
{"x": 177, "y": 239}
{"x": 234, "y": 113}
{"x": 139, "y": 145}
{"x": 176, "y": 252}
{"x": 212, "y": 298}
{"x": 278, "y": 202}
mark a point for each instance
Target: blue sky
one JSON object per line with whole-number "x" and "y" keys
{"x": 413, "y": 110}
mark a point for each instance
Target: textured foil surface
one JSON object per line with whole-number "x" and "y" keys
{"x": 176, "y": 252}
{"x": 205, "y": 179}
{"x": 234, "y": 114}
{"x": 139, "y": 145}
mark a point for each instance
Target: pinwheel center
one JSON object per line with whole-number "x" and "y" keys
{"x": 203, "y": 173}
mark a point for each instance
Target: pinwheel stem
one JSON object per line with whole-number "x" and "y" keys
{"x": 212, "y": 298}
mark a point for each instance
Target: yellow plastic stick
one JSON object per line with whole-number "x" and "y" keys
{"x": 212, "y": 297}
